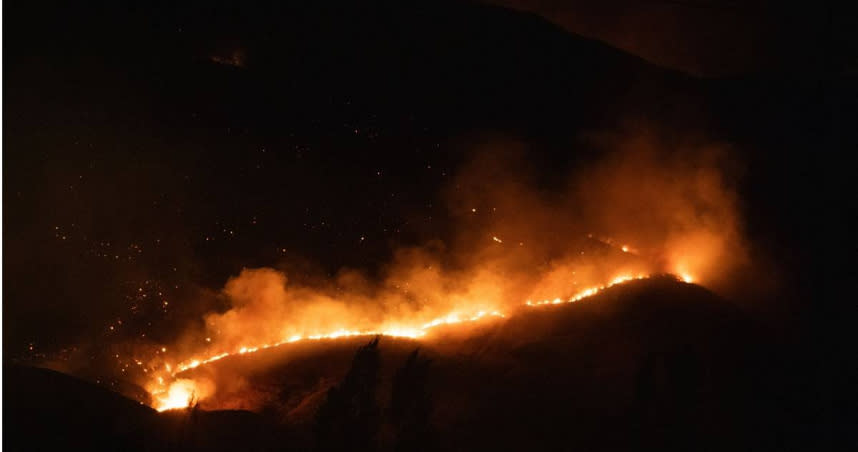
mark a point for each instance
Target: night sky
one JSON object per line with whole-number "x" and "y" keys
{"x": 151, "y": 152}
{"x": 711, "y": 38}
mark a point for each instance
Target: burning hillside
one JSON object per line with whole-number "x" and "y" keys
{"x": 213, "y": 210}
{"x": 516, "y": 249}
{"x": 578, "y": 365}
{"x": 172, "y": 391}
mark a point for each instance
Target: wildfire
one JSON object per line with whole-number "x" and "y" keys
{"x": 410, "y": 333}
{"x": 168, "y": 392}
{"x": 589, "y": 292}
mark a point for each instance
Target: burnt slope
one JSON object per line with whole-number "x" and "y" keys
{"x": 650, "y": 364}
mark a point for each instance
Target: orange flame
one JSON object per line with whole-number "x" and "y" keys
{"x": 180, "y": 394}
{"x": 172, "y": 393}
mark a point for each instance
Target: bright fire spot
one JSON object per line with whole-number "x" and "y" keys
{"x": 687, "y": 278}
{"x": 497, "y": 240}
{"x": 181, "y": 394}
{"x": 625, "y": 249}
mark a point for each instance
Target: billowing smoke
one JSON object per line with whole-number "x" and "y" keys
{"x": 677, "y": 206}
{"x": 646, "y": 206}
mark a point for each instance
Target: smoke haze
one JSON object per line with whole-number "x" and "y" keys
{"x": 647, "y": 206}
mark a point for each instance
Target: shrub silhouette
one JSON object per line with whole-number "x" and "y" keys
{"x": 349, "y": 418}
{"x": 411, "y": 406}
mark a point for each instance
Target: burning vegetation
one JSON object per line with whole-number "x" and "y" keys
{"x": 639, "y": 212}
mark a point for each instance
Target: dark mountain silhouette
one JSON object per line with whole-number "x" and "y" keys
{"x": 651, "y": 364}
{"x": 48, "y": 410}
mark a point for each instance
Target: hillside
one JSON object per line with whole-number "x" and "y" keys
{"x": 648, "y": 364}
{"x": 47, "y": 410}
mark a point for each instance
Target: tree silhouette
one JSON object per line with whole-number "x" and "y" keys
{"x": 349, "y": 418}
{"x": 411, "y": 406}
{"x": 667, "y": 394}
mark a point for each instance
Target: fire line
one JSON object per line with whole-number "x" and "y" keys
{"x": 180, "y": 392}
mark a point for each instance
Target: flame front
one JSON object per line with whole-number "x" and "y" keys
{"x": 169, "y": 392}
{"x": 639, "y": 211}
{"x": 589, "y": 292}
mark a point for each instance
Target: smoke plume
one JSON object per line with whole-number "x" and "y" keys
{"x": 645, "y": 206}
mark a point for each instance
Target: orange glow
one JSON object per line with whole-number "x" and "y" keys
{"x": 589, "y": 292}
{"x": 169, "y": 392}
{"x": 400, "y": 332}
{"x": 644, "y": 209}
{"x": 180, "y": 394}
